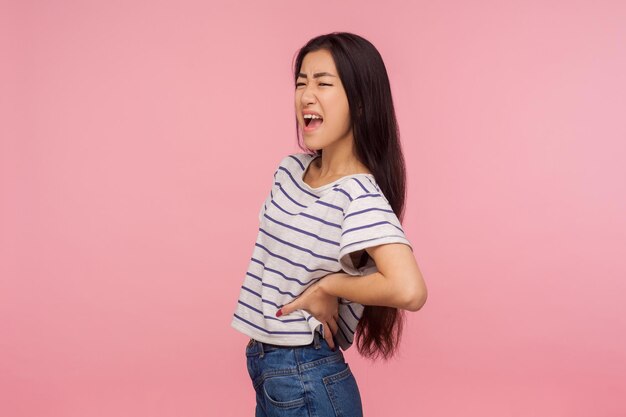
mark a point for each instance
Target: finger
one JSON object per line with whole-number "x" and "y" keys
{"x": 286, "y": 309}
{"x": 334, "y": 327}
{"x": 328, "y": 336}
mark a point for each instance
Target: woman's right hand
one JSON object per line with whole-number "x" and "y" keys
{"x": 321, "y": 305}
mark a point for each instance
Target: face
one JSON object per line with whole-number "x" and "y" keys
{"x": 319, "y": 90}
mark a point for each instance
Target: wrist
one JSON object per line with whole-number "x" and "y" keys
{"x": 329, "y": 283}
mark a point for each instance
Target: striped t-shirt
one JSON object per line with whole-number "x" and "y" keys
{"x": 305, "y": 234}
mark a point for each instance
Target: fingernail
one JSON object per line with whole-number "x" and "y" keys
{"x": 279, "y": 313}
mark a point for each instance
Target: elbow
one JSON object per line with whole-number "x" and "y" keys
{"x": 415, "y": 299}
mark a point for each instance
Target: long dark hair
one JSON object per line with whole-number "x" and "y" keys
{"x": 377, "y": 145}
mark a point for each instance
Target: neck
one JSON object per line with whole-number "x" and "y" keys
{"x": 340, "y": 160}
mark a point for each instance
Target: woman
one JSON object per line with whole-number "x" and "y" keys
{"x": 331, "y": 261}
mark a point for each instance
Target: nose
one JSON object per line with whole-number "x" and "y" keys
{"x": 307, "y": 96}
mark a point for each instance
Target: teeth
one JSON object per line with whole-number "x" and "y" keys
{"x": 311, "y": 116}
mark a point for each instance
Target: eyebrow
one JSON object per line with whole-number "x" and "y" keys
{"x": 316, "y": 75}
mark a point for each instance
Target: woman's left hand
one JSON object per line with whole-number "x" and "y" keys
{"x": 321, "y": 305}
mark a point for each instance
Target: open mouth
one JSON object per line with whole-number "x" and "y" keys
{"x": 312, "y": 123}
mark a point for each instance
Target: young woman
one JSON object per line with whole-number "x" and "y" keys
{"x": 331, "y": 262}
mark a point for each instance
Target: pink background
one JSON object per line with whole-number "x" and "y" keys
{"x": 138, "y": 141}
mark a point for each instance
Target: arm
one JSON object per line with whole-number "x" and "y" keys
{"x": 398, "y": 282}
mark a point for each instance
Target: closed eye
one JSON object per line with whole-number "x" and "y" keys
{"x": 299, "y": 84}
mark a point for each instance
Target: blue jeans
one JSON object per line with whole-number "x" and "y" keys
{"x": 303, "y": 381}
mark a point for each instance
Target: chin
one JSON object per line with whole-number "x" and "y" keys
{"x": 312, "y": 144}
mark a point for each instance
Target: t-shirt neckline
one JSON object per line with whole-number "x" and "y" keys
{"x": 330, "y": 184}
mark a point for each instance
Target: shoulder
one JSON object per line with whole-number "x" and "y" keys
{"x": 295, "y": 161}
{"x": 362, "y": 187}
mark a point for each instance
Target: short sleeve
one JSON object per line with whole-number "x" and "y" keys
{"x": 368, "y": 221}
{"x": 273, "y": 189}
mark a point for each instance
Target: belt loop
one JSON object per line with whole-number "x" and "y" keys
{"x": 316, "y": 339}
{"x": 261, "y": 349}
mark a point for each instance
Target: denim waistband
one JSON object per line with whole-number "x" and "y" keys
{"x": 262, "y": 347}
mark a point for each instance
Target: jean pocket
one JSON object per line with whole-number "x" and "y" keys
{"x": 286, "y": 393}
{"x": 344, "y": 393}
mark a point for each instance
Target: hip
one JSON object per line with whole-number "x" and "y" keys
{"x": 310, "y": 380}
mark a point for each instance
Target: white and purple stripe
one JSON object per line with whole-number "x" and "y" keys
{"x": 305, "y": 234}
